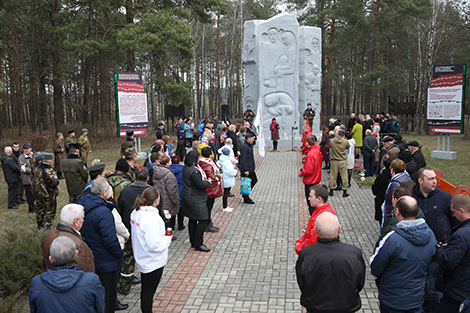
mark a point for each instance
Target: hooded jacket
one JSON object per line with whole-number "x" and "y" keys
{"x": 436, "y": 208}
{"x": 400, "y": 263}
{"x": 99, "y": 233}
{"x": 165, "y": 182}
{"x": 229, "y": 171}
{"x": 66, "y": 289}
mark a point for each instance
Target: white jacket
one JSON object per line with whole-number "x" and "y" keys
{"x": 121, "y": 229}
{"x": 228, "y": 170}
{"x": 351, "y": 153}
{"x": 232, "y": 155}
{"x": 149, "y": 243}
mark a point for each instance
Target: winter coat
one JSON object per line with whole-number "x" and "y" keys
{"x": 311, "y": 172}
{"x": 379, "y": 189}
{"x": 241, "y": 140}
{"x": 75, "y": 174}
{"x": 396, "y": 126}
{"x": 11, "y": 170}
{"x": 229, "y": 171}
{"x": 178, "y": 171}
{"x": 149, "y": 243}
{"x": 212, "y": 172}
{"x": 351, "y": 153}
{"x": 418, "y": 157}
{"x": 99, "y": 232}
{"x": 369, "y": 144}
{"x": 84, "y": 259}
{"x": 454, "y": 260}
{"x": 394, "y": 183}
{"x": 310, "y": 237}
{"x": 330, "y": 268}
{"x": 357, "y": 134}
{"x": 127, "y": 198}
{"x": 247, "y": 160}
{"x": 436, "y": 208}
{"x": 194, "y": 194}
{"x": 25, "y": 174}
{"x": 165, "y": 182}
{"x": 401, "y": 262}
{"x": 66, "y": 289}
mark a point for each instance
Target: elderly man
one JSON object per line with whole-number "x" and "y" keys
{"x": 85, "y": 147}
{"x": 369, "y": 149}
{"x": 75, "y": 173}
{"x": 65, "y": 287}
{"x": 26, "y": 169}
{"x": 71, "y": 221}
{"x": 328, "y": 268}
{"x": 11, "y": 172}
{"x": 416, "y": 154}
{"x": 454, "y": 258}
{"x": 401, "y": 260}
{"x": 99, "y": 232}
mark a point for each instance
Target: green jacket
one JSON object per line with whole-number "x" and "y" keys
{"x": 68, "y": 141}
{"x": 45, "y": 182}
{"x": 118, "y": 182}
{"x": 75, "y": 174}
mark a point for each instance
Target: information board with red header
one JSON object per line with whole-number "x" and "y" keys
{"x": 131, "y": 104}
{"x": 446, "y": 99}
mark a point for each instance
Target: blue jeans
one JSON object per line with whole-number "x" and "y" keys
{"x": 466, "y": 306}
{"x": 369, "y": 165}
{"x": 432, "y": 296}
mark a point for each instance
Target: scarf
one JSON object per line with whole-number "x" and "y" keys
{"x": 211, "y": 163}
{"x": 273, "y": 126}
{"x": 203, "y": 174}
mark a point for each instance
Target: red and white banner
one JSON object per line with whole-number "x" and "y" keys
{"x": 131, "y": 103}
{"x": 445, "y": 99}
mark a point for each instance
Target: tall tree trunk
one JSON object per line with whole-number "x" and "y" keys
{"x": 56, "y": 72}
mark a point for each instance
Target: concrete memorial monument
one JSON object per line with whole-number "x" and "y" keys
{"x": 282, "y": 71}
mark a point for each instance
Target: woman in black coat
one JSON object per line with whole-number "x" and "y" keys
{"x": 194, "y": 199}
{"x": 379, "y": 188}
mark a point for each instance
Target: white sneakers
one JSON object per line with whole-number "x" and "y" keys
{"x": 228, "y": 209}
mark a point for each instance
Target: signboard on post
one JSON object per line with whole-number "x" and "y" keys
{"x": 131, "y": 104}
{"x": 446, "y": 99}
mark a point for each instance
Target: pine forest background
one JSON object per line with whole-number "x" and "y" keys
{"x": 58, "y": 57}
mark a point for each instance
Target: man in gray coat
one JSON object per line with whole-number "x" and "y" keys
{"x": 26, "y": 168}
{"x": 369, "y": 149}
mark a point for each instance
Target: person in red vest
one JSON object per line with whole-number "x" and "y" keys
{"x": 319, "y": 200}
{"x": 311, "y": 172}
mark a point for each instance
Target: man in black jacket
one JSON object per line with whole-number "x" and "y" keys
{"x": 247, "y": 164}
{"x": 454, "y": 258}
{"x": 330, "y": 274}
{"x": 416, "y": 154}
{"x": 11, "y": 172}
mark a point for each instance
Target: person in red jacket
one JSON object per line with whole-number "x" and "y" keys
{"x": 306, "y": 132}
{"x": 319, "y": 199}
{"x": 311, "y": 172}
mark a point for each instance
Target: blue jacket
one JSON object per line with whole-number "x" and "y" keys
{"x": 401, "y": 263}
{"x": 436, "y": 208}
{"x": 454, "y": 260}
{"x": 66, "y": 289}
{"x": 178, "y": 171}
{"x": 394, "y": 183}
{"x": 99, "y": 233}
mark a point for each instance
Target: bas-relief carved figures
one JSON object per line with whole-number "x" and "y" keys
{"x": 283, "y": 70}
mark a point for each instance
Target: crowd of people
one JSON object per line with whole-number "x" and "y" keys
{"x": 422, "y": 256}
{"x": 118, "y": 221}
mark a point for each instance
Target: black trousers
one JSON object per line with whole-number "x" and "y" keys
{"x": 210, "y": 205}
{"x": 275, "y": 142}
{"x": 150, "y": 283}
{"x": 19, "y": 191}
{"x": 12, "y": 191}
{"x": 109, "y": 281}
{"x": 254, "y": 180}
{"x": 225, "y": 197}
{"x": 196, "y": 231}
{"x": 307, "y": 194}
{"x": 29, "y": 198}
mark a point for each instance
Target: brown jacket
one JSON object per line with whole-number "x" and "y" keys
{"x": 84, "y": 259}
{"x": 165, "y": 182}
{"x": 58, "y": 148}
{"x": 338, "y": 146}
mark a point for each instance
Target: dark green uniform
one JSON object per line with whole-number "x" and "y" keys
{"x": 75, "y": 175}
{"x": 129, "y": 143}
{"x": 68, "y": 141}
{"x": 310, "y": 115}
{"x": 45, "y": 189}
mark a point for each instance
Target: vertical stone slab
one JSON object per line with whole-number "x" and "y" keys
{"x": 278, "y": 67}
{"x": 310, "y": 73}
{"x": 250, "y": 60}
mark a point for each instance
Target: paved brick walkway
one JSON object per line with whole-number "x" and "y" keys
{"x": 252, "y": 265}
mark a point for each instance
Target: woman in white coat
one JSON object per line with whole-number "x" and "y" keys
{"x": 149, "y": 244}
{"x": 228, "y": 178}
{"x": 350, "y": 159}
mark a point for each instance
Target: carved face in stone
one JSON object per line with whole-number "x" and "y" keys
{"x": 287, "y": 39}
{"x": 316, "y": 45}
{"x": 316, "y": 69}
{"x": 272, "y": 35}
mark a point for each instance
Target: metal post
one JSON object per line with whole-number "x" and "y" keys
{"x": 448, "y": 143}
{"x": 438, "y": 142}
{"x": 444, "y": 143}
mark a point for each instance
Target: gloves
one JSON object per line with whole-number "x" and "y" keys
{"x": 23, "y": 168}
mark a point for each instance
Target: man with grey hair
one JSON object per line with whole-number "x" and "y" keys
{"x": 330, "y": 273}
{"x": 65, "y": 287}
{"x": 11, "y": 173}
{"x": 71, "y": 221}
{"x": 99, "y": 232}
